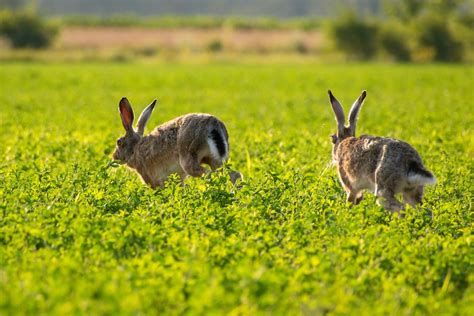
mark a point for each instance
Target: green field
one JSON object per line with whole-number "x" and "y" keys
{"x": 80, "y": 237}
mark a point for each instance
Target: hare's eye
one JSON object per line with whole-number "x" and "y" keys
{"x": 119, "y": 142}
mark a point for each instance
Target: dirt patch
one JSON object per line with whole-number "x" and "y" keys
{"x": 188, "y": 39}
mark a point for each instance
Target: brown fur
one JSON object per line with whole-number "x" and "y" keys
{"x": 179, "y": 146}
{"x": 379, "y": 164}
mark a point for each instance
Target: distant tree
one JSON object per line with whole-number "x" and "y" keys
{"x": 409, "y": 9}
{"x": 356, "y": 37}
{"x": 393, "y": 39}
{"x": 405, "y": 9}
{"x": 445, "y": 6}
{"x": 433, "y": 26}
{"x": 434, "y": 33}
{"x": 26, "y": 30}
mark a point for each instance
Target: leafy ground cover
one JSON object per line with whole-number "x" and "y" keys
{"x": 80, "y": 237}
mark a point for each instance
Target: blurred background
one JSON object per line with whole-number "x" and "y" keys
{"x": 416, "y": 31}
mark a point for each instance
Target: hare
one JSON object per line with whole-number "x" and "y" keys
{"x": 385, "y": 166}
{"x": 179, "y": 146}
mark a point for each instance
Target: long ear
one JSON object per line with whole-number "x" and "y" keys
{"x": 354, "y": 113}
{"x": 144, "y": 117}
{"x": 126, "y": 113}
{"x": 339, "y": 112}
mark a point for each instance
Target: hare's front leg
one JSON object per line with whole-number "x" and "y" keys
{"x": 152, "y": 181}
{"x": 353, "y": 196}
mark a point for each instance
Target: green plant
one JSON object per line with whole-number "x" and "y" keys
{"x": 79, "y": 237}
{"x": 300, "y": 47}
{"x": 405, "y": 9}
{"x": 26, "y": 30}
{"x": 356, "y": 37}
{"x": 434, "y": 33}
{"x": 214, "y": 46}
{"x": 394, "y": 41}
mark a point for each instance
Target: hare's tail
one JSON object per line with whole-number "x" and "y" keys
{"x": 218, "y": 144}
{"x": 418, "y": 175}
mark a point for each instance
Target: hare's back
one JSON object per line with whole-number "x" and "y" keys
{"x": 202, "y": 135}
{"x": 162, "y": 140}
{"x": 369, "y": 151}
{"x": 401, "y": 152}
{"x": 359, "y": 155}
{"x": 200, "y": 125}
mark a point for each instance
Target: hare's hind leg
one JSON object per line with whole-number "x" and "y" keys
{"x": 355, "y": 197}
{"x": 190, "y": 157}
{"x": 191, "y": 165}
{"x": 413, "y": 196}
{"x": 385, "y": 193}
{"x": 387, "y": 180}
{"x": 386, "y": 198}
{"x": 217, "y": 163}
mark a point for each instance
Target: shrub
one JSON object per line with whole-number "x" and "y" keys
{"x": 434, "y": 33}
{"x": 395, "y": 42}
{"x": 147, "y": 51}
{"x": 300, "y": 47}
{"x": 26, "y": 30}
{"x": 405, "y": 10}
{"x": 214, "y": 46}
{"x": 240, "y": 23}
{"x": 356, "y": 37}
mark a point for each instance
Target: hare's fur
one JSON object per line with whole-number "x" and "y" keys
{"x": 385, "y": 166}
{"x": 179, "y": 146}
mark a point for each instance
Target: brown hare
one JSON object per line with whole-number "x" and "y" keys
{"x": 179, "y": 146}
{"x": 385, "y": 166}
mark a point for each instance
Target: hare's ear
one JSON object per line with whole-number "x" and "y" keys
{"x": 144, "y": 117}
{"x": 339, "y": 112}
{"x": 354, "y": 113}
{"x": 126, "y": 113}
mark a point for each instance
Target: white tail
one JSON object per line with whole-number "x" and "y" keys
{"x": 213, "y": 148}
{"x": 218, "y": 145}
{"x": 421, "y": 179}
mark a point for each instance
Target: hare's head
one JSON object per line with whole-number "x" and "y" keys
{"x": 344, "y": 131}
{"x": 127, "y": 143}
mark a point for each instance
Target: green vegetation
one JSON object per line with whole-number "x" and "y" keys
{"x": 420, "y": 35}
{"x": 434, "y": 34}
{"x": 393, "y": 41}
{"x": 416, "y": 30}
{"x": 356, "y": 37}
{"x": 198, "y": 22}
{"x": 26, "y": 30}
{"x": 80, "y": 237}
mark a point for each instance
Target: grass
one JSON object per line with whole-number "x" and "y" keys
{"x": 79, "y": 237}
